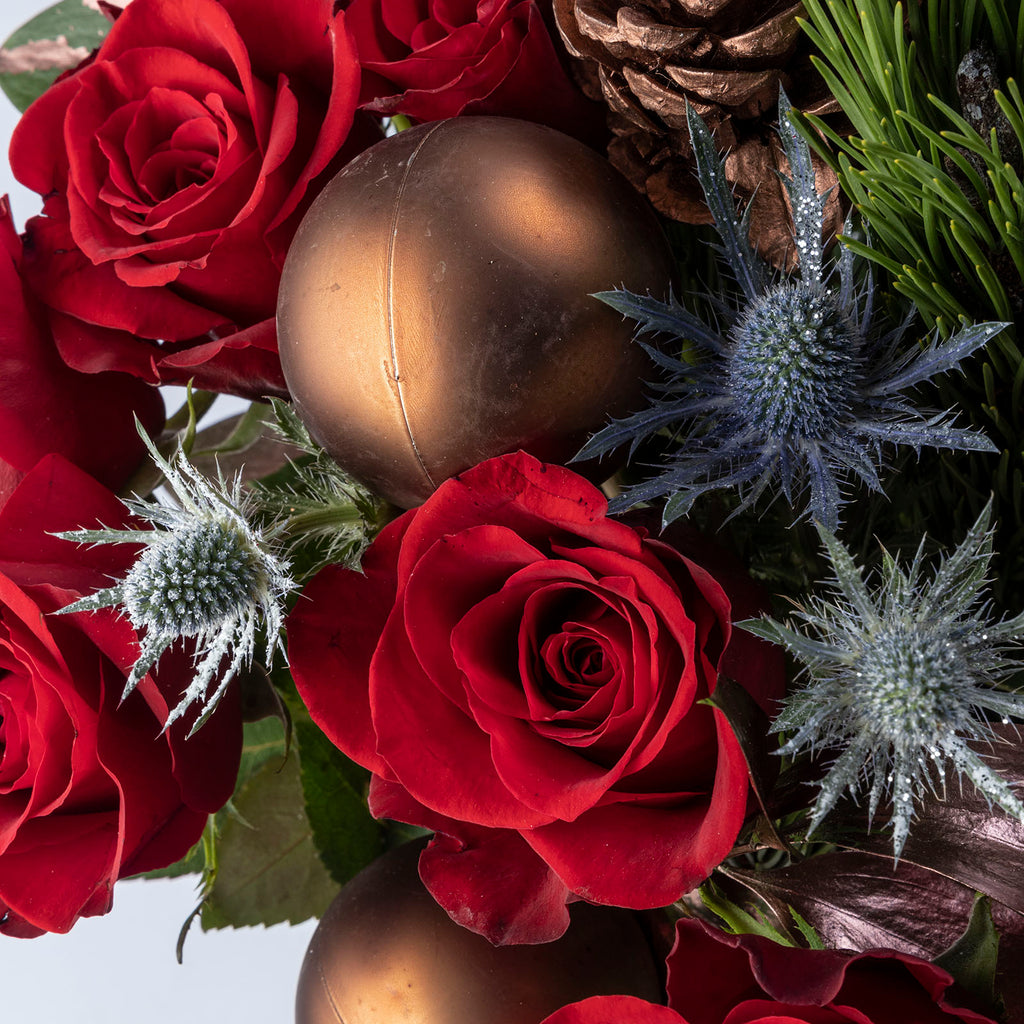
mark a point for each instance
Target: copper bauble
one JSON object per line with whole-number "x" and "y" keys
{"x": 385, "y": 953}
{"x": 434, "y": 308}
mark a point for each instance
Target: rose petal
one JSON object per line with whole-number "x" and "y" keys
{"x": 620, "y": 1009}
{"x": 79, "y": 850}
{"x": 427, "y": 741}
{"x": 322, "y": 645}
{"x": 683, "y": 839}
{"x": 487, "y": 880}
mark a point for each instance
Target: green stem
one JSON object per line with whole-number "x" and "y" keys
{"x": 321, "y": 518}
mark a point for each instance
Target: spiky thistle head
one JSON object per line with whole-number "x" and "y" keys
{"x": 802, "y": 388}
{"x": 205, "y": 573}
{"x": 794, "y": 361}
{"x": 901, "y": 679}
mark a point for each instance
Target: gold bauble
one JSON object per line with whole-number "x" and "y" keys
{"x": 386, "y": 953}
{"x": 435, "y": 307}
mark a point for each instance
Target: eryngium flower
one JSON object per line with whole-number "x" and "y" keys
{"x": 901, "y": 679}
{"x": 801, "y": 389}
{"x": 205, "y": 573}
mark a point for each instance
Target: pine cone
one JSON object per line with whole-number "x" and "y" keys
{"x": 646, "y": 59}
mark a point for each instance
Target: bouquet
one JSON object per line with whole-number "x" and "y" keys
{"x": 607, "y": 603}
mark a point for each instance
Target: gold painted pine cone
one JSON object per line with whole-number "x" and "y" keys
{"x": 646, "y": 59}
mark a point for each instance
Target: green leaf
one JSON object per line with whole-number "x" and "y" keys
{"x": 263, "y": 742}
{"x": 972, "y": 958}
{"x": 810, "y": 933}
{"x": 737, "y": 920}
{"x": 245, "y": 430}
{"x": 53, "y": 41}
{"x": 344, "y": 833}
{"x": 268, "y": 869}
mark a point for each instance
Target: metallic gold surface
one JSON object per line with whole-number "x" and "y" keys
{"x": 385, "y": 953}
{"x": 434, "y": 309}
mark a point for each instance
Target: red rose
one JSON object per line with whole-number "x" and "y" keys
{"x": 431, "y": 59}
{"x": 47, "y": 407}
{"x": 714, "y": 978}
{"x": 176, "y": 163}
{"x": 745, "y": 979}
{"x": 524, "y": 676}
{"x": 89, "y": 791}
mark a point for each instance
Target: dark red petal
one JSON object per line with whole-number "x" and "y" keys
{"x": 282, "y": 37}
{"x": 57, "y": 496}
{"x": 614, "y": 1010}
{"x": 685, "y": 837}
{"x": 487, "y": 880}
{"x": 333, "y": 632}
{"x": 47, "y": 407}
{"x": 38, "y": 155}
{"x": 451, "y": 580}
{"x": 766, "y": 1012}
{"x": 535, "y": 500}
{"x": 77, "y": 856}
{"x": 490, "y": 881}
{"x": 337, "y": 122}
{"x": 202, "y": 28}
{"x": 437, "y": 751}
{"x": 242, "y": 363}
{"x": 67, "y": 281}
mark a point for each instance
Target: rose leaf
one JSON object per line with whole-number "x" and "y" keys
{"x": 268, "y": 869}
{"x": 55, "y": 40}
{"x": 334, "y": 787}
{"x": 972, "y": 958}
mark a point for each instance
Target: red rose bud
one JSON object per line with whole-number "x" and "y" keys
{"x": 430, "y": 59}
{"x": 524, "y": 676}
{"x": 89, "y": 791}
{"x": 176, "y": 163}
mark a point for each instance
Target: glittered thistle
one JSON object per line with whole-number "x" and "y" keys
{"x": 800, "y": 390}
{"x": 204, "y": 573}
{"x": 901, "y": 680}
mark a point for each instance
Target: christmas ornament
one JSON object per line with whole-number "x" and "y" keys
{"x": 435, "y": 306}
{"x": 727, "y": 59}
{"x": 385, "y": 951}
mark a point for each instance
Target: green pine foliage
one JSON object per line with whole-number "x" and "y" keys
{"x": 934, "y": 166}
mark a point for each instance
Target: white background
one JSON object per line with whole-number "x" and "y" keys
{"x": 121, "y": 969}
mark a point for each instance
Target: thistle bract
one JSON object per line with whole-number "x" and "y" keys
{"x": 901, "y": 680}
{"x": 204, "y": 573}
{"x": 801, "y": 390}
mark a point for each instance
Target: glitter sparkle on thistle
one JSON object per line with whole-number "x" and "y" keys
{"x": 801, "y": 390}
{"x": 902, "y": 679}
{"x": 205, "y": 572}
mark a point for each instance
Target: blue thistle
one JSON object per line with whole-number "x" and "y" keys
{"x": 206, "y": 573}
{"x": 901, "y": 679}
{"x": 801, "y": 389}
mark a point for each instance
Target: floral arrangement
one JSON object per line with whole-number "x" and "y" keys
{"x": 739, "y": 657}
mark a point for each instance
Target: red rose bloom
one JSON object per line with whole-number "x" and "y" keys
{"x": 175, "y": 163}
{"x": 45, "y": 406}
{"x": 524, "y": 676}
{"x": 714, "y": 978}
{"x": 431, "y": 59}
{"x": 745, "y": 979}
{"x": 89, "y": 791}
